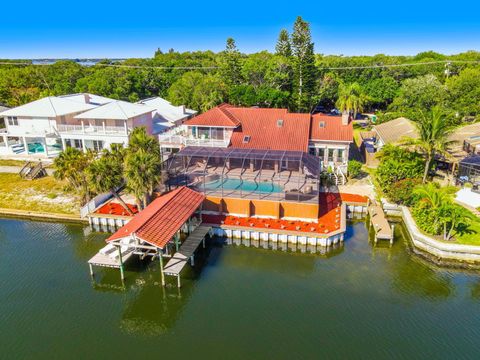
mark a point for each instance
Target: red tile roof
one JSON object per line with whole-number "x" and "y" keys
{"x": 218, "y": 116}
{"x": 332, "y": 129}
{"x": 261, "y": 125}
{"x": 265, "y": 133}
{"x": 160, "y": 220}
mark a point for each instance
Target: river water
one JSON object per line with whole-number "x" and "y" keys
{"x": 359, "y": 301}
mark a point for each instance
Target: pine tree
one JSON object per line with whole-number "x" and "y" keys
{"x": 304, "y": 65}
{"x": 230, "y": 66}
{"x": 283, "y": 46}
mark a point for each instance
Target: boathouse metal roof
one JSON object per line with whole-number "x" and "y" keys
{"x": 159, "y": 221}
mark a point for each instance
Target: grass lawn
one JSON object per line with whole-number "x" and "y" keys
{"x": 42, "y": 195}
{"x": 472, "y": 236}
{"x": 7, "y": 162}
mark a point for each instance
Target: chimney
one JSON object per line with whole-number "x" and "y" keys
{"x": 87, "y": 98}
{"x": 345, "y": 118}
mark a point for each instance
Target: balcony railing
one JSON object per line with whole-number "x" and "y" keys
{"x": 101, "y": 130}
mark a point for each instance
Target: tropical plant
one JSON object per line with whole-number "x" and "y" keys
{"x": 435, "y": 211}
{"x": 105, "y": 174}
{"x": 70, "y": 165}
{"x": 142, "y": 165}
{"x": 351, "y": 98}
{"x": 433, "y": 133}
{"x": 354, "y": 168}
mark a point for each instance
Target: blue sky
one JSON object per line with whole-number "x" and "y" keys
{"x": 87, "y": 28}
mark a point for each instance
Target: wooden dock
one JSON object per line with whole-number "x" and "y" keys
{"x": 117, "y": 262}
{"x": 186, "y": 252}
{"x": 382, "y": 228}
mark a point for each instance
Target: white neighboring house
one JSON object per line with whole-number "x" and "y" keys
{"x": 166, "y": 115}
{"x": 85, "y": 121}
{"x": 31, "y": 129}
{"x": 104, "y": 125}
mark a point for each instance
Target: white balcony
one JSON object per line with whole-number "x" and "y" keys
{"x": 92, "y": 130}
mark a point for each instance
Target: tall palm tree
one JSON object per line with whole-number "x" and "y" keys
{"x": 143, "y": 174}
{"x": 433, "y": 133}
{"x": 106, "y": 175}
{"x": 70, "y": 165}
{"x": 351, "y": 98}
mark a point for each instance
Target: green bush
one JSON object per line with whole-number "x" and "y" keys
{"x": 401, "y": 192}
{"x": 354, "y": 168}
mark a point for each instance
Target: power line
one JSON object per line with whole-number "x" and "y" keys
{"x": 377, "y": 66}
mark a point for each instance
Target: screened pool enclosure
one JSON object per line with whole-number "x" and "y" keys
{"x": 247, "y": 173}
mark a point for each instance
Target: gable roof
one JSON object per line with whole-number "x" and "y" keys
{"x": 332, "y": 128}
{"x": 394, "y": 130}
{"x": 51, "y": 106}
{"x": 87, "y": 98}
{"x": 220, "y": 116}
{"x": 166, "y": 111}
{"x": 159, "y": 221}
{"x": 116, "y": 110}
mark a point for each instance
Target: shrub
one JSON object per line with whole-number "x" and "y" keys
{"x": 401, "y": 192}
{"x": 354, "y": 168}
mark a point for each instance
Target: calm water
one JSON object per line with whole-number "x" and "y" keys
{"x": 245, "y": 185}
{"x": 246, "y": 303}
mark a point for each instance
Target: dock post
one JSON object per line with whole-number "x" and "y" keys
{"x": 176, "y": 241}
{"x": 192, "y": 260}
{"x": 161, "y": 267}
{"x": 122, "y": 274}
{"x": 203, "y": 242}
{"x": 91, "y": 269}
{"x": 178, "y": 281}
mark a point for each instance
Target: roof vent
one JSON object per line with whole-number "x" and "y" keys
{"x": 321, "y": 124}
{"x": 246, "y": 139}
{"x": 279, "y": 122}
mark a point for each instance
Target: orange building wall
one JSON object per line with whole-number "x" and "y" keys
{"x": 261, "y": 208}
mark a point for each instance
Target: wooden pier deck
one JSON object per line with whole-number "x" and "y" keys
{"x": 382, "y": 228}
{"x": 178, "y": 261}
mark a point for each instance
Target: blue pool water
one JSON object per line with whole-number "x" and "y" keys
{"x": 35, "y": 148}
{"x": 237, "y": 184}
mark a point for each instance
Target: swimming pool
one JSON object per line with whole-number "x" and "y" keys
{"x": 237, "y": 184}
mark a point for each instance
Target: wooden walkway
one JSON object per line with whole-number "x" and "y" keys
{"x": 382, "y": 228}
{"x": 176, "y": 264}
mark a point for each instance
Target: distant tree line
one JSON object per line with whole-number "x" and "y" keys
{"x": 294, "y": 77}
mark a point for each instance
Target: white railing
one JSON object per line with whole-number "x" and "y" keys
{"x": 79, "y": 129}
{"x": 207, "y": 142}
{"x": 3, "y": 131}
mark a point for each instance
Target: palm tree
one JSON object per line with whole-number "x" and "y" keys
{"x": 434, "y": 196}
{"x": 106, "y": 175}
{"x": 143, "y": 174}
{"x": 433, "y": 133}
{"x": 70, "y": 165}
{"x": 351, "y": 98}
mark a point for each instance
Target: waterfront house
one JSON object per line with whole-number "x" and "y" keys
{"x": 324, "y": 136}
{"x": 45, "y": 127}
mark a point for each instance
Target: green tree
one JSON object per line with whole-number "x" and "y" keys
{"x": 230, "y": 64}
{"x": 70, "y": 165}
{"x": 351, "y": 98}
{"x": 197, "y": 91}
{"x": 283, "y": 46}
{"x": 464, "y": 92}
{"x": 433, "y": 133}
{"x": 105, "y": 174}
{"x": 303, "y": 65}
{"x": 142, "y": 166}
{"x": 419, "y": 94}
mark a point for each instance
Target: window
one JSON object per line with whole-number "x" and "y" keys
{"x": 119, "y": 123}
{"x": 97, "y": 145}
{"x": 321, "y": 124}
{"x": 98, "y": 122}
{"x": 340, "y": 153}
{"x": 12, "y": 120}
{"x": 77, "y": 143}
{"x": 279, "y": 122}
{"x": 246, "y": 139}
{"x": 62, "y": 120}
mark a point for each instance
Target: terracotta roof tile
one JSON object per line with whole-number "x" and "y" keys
{"x": 326, "y": 127}
{"x": 218, "y": 116}
{"x": 160, "y": 220}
